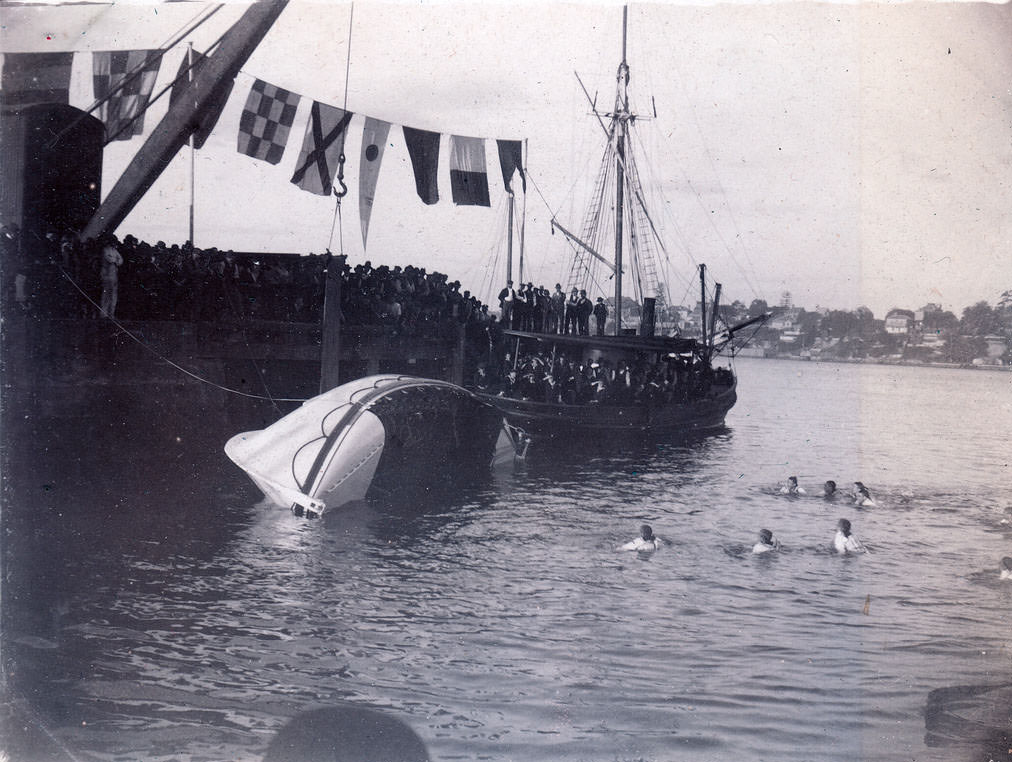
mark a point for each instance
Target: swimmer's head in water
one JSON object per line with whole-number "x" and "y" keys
{"x": 861, "y": 488}
{"x": 844, "y": 526}
{"x": 792, "y": 480}
{"x": 646, "y": 532}
{"x": 346, "y": 733}
{"x": 765, "y": 537}
{"x": 1006, "y": 563}
{"x": 829, "y": 487}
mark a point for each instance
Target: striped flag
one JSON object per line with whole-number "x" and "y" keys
{"x": 205, "y": 121}
{"x": 374, "y": 139}
{"x": 35, "y": 78}
{"x": 423, "y": 148}
{"x": 468, "y": 178}
{"x": 511, "y": 160}
{"x": 266, "y": 120}
{"x": 127, "y": 78}
{"x": 322, "y": 146}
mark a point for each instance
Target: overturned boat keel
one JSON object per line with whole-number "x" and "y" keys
{"x": 386, "y": 432}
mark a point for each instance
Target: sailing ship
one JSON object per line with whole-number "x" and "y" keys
{"x": 560, "y": 383}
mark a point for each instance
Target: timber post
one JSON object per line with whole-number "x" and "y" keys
{"x": 330, "y": 329}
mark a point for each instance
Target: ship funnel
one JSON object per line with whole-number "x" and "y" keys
{"x": 648, "y": 316}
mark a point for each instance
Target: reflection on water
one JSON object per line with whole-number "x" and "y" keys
{"x": 498, "y": 620}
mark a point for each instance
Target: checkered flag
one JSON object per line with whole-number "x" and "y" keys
{"x": 266, "y": 120}
{"x": 125, "y": 78}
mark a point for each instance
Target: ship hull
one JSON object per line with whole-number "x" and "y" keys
{"x": 689, "y": 397}
{"x": 385, "y": 432}
{"x": 546, "y": 420}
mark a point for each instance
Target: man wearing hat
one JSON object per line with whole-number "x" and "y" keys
{"x": 572, "y": 312}
{"x": 584, "y": 308}
{"x": 520, "y": 307}
{"x": 600, "y": 314}
{"x": 506, "y": 297}
{"x": 556, "y": 309}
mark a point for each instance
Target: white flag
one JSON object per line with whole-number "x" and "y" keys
{"x": 374, "y": 140}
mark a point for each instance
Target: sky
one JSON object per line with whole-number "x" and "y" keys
{"x": 852, "y": 154}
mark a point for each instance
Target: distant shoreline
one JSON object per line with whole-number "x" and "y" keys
{"x": 903, "y": 363}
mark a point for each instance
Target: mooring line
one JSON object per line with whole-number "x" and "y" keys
{"x": 165, "y": 359}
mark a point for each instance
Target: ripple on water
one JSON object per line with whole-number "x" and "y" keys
{"x": 502, "y": 623}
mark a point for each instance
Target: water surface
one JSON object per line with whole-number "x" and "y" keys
{"x": 500, "y": 622}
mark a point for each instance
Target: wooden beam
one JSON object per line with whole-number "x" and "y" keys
{"x": 330, "y": 351}
{"x": 172, "y": 132}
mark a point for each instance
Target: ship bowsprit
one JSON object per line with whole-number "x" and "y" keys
{"x": 384, "y": 433}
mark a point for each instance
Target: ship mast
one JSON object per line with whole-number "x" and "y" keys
{"x": 620, "y": 119}
{"x": 509, "y": 241}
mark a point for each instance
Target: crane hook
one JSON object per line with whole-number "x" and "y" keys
{"x": 340, "y": 178}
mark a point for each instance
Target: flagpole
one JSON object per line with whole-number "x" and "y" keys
{"x": 193, "y": 150}
{"x": 509, "y": 239}
{"x": 523, "y": 209}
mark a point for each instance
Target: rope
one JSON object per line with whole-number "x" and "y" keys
{"x": 347, "y": 65}
{"x": 339, "y": 224}
{"x": 745, "y": 343}
{"x": 165, "y": 359}
{"x": 723, "y": 193}
{"x": 131, "y": 76}
{"x": 333, "y": 225}
{"x": 245, "y": 340}
{"x": 158, "y": 96}
{"x": 339, "y": 194}
{"x": 548, "y": 206}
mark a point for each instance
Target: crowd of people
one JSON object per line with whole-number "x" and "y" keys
{"x": 537, "y": 309}
{"x": 60, "y": 276}
{"x": 560, "y": 378}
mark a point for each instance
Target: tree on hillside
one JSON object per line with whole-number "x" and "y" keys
{"x": 838, "y": 324}
{"x": 941, "y": 323}
{"x": 1003, "y": 313}
{"x": 963, "y": 349}
{"x": 808, "y": 324}
{"x": 736, "y": 312}
{"x": 979, "y": 320}
{"x": 866, "y": 324}
{"x": 758, "y": 307}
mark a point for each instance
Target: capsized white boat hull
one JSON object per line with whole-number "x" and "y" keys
{"x": 382, "y": 430}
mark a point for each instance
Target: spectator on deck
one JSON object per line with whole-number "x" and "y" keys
{"x": 600, "y": 314}
{"x": 556, "y": 310}
{"x": 111, "y": 262}
{"x": 572, "y": 312}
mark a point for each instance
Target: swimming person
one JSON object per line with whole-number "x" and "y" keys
{"x": 862, "y": 497}
{"x": 1006, "y": 568}
{"x": 346, "y": 733}
{"x": 646, "y": 541}
{"x": 792, "y": 487}
{"x": 845, "y": 542}
{"x": 766, "y": 542}
{"x": 829, "y": 490}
